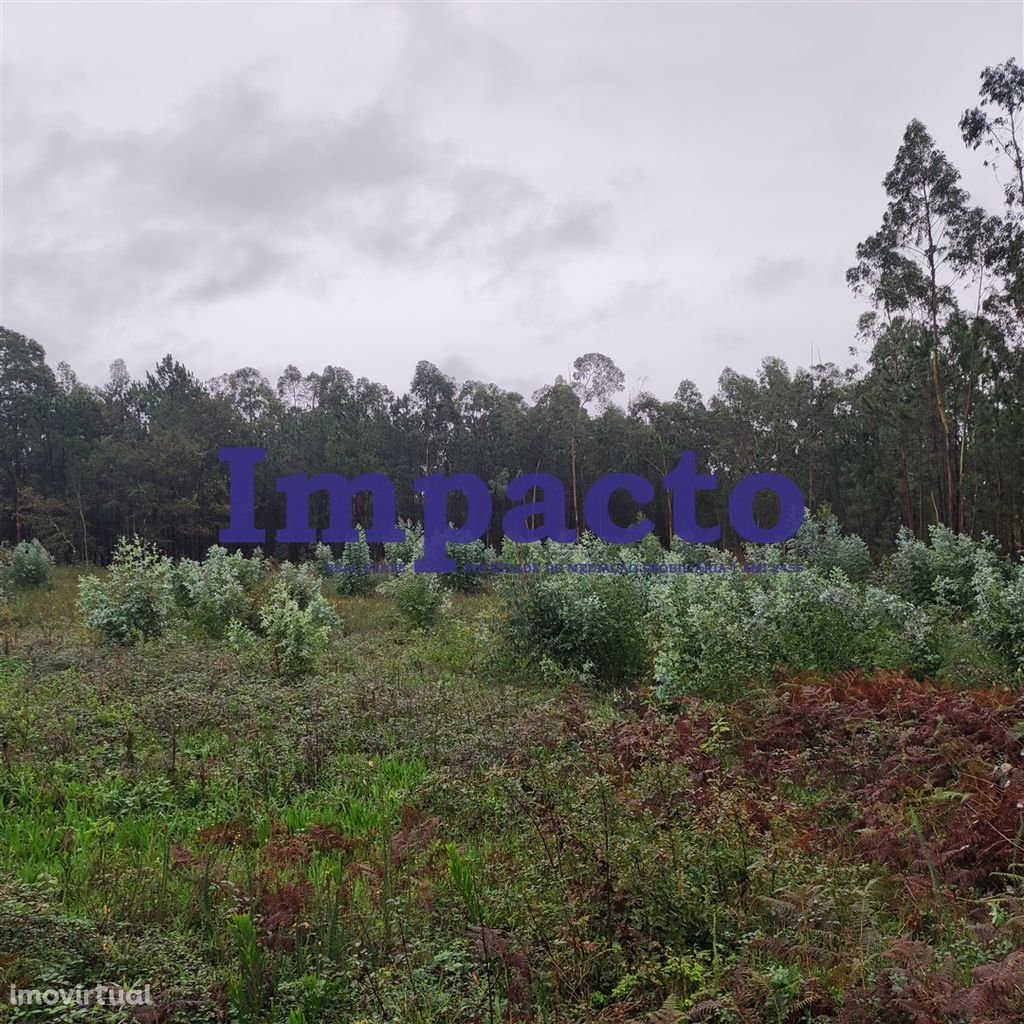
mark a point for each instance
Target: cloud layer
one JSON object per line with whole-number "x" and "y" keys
{"x": 495, "y": 188}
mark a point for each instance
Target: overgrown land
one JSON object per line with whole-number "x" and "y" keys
{"x": 728, "y": 796}
{"x": 785, "y": 789}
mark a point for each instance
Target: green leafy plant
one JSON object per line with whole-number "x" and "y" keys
{"x": 474, "y": 553}
{"x": 821, "y": 544}
{"x": 942, "y": 571}
{"x": 135, "y": 600}
{"x": 419, "y": 598}
{"x": 355, "y": 575}
{"x": 28, "y": 566}
{"x": 292, "y": 634}
{"x": 218, "y": 589}
{"x": 589, "y": 622}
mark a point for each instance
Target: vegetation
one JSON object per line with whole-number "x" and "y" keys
{"x": 741, "y": 794}
{"x": 924, "y": 432}
{"x": 616, "y": 784}
{"x": 28, "y": 565}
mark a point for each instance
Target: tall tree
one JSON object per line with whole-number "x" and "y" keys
{"x": 912, "y": 265}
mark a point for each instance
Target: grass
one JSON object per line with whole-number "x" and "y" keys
{"x": 420, "y": 834}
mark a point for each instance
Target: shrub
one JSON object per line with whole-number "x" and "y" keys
{"x": 418, "y": 596}
{"x": 475, "y": 552}
{"x": 464, "y": 555}
{"x": 28, "y": 566}
{"x": 941, "y": 572}
{"x": 406, "y": 551}
{"x": 713, "y": 634}
{"x": 590, "y": 623}
{"x": 998, "y": 617}
{"x": 303, "y": 584}
{"x": 822, "y": 621}
{"x": 323, "y": 556}
{"x": 819, "y": 543}
{"x": 294, "y": 629}
{"x": 685, "y": 553}
{"x": 135, "y": 600}
{"x": 217, "y": 590}
{"x": 355, "y": 576}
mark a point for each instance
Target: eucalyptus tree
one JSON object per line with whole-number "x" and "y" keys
{"x": 912, "y": 268}
{"x": 27, "y": 392}
{"x": 596, "y": 378}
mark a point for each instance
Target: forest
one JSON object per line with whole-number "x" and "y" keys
{"x": 928, "y": 431}
{"x": 621, "y": 783}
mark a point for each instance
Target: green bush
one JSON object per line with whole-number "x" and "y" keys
{"x": 418, "y": 596}
{"x": 715, "y": 633}
{"x": 822, "y": 621}
{"x": 820, "y": 544}
{"x": 28, "y": 566}
{"x": 584, "y": 622}
{"x": 304, "y": 585}
{"x": 135, "y": 600}
{"x": 294, "y": 628}
{"x": 941, "y": 572}
{"x": 712, "y": 634}
{"x": 213, "y": 592}
{"x": 355, "y": 577}
{"x": 464, "y": 555}
{"x": 998, "y": 617}
{"x": 406, "y": 551}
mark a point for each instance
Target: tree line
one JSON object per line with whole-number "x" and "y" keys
{"x": 930, "y": 430}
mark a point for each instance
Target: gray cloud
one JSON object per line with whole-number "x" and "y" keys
{"x": 235, "y": 195}
{"x": 769, "y": 276}
{"x": 497, "y": 188}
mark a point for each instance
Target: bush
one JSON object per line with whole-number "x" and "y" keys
{"x": 294, "y": 628}
{"x": 586, "y": 623}
{"x": 213, "y": 592}
{"x": 713, "y": 633}
{"x": 473, "y": 553}
{"x": 408, "y": 550}
{"x": 304, "y": 585}
{"x": 28, "y": 566}
{"x": 998, "y": 617}
{"x": 323, "y": 556}
{"x": 685, "y": 553}
{"x": 824, "y": 622}
{"x": 418, "y": 597}
{"x": 716, "y": 633}
{"x": 135, "y": 600}
{"x": 943, "y": 571}
{"x": 355, "y": 576}
{"x": 819, "y": 543}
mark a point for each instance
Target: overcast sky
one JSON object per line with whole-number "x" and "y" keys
{"x": 497, "y": 188}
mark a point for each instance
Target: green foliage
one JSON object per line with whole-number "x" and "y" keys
{"x": 713, "y": 634}
{"x": 213, "y": 592}
{"x": 419, "y": 598}
{"x": 474, "y": 553}
{"x": 998, "y": 617}
{"x": 941, "y": 572}
{"x": 820, "y": 543}
{"x": 355, "y": 576}
{"x": 27, "y": 566}
{"x": 302, "y": 583}
{"x": 248, "y": 991}
{"x": 584, "y": 622}
{"x": 294, "y": 627}
{"x": 323, "y": 556}
{"x": 135, "y": 600}
{"x": 406, "y": 551}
